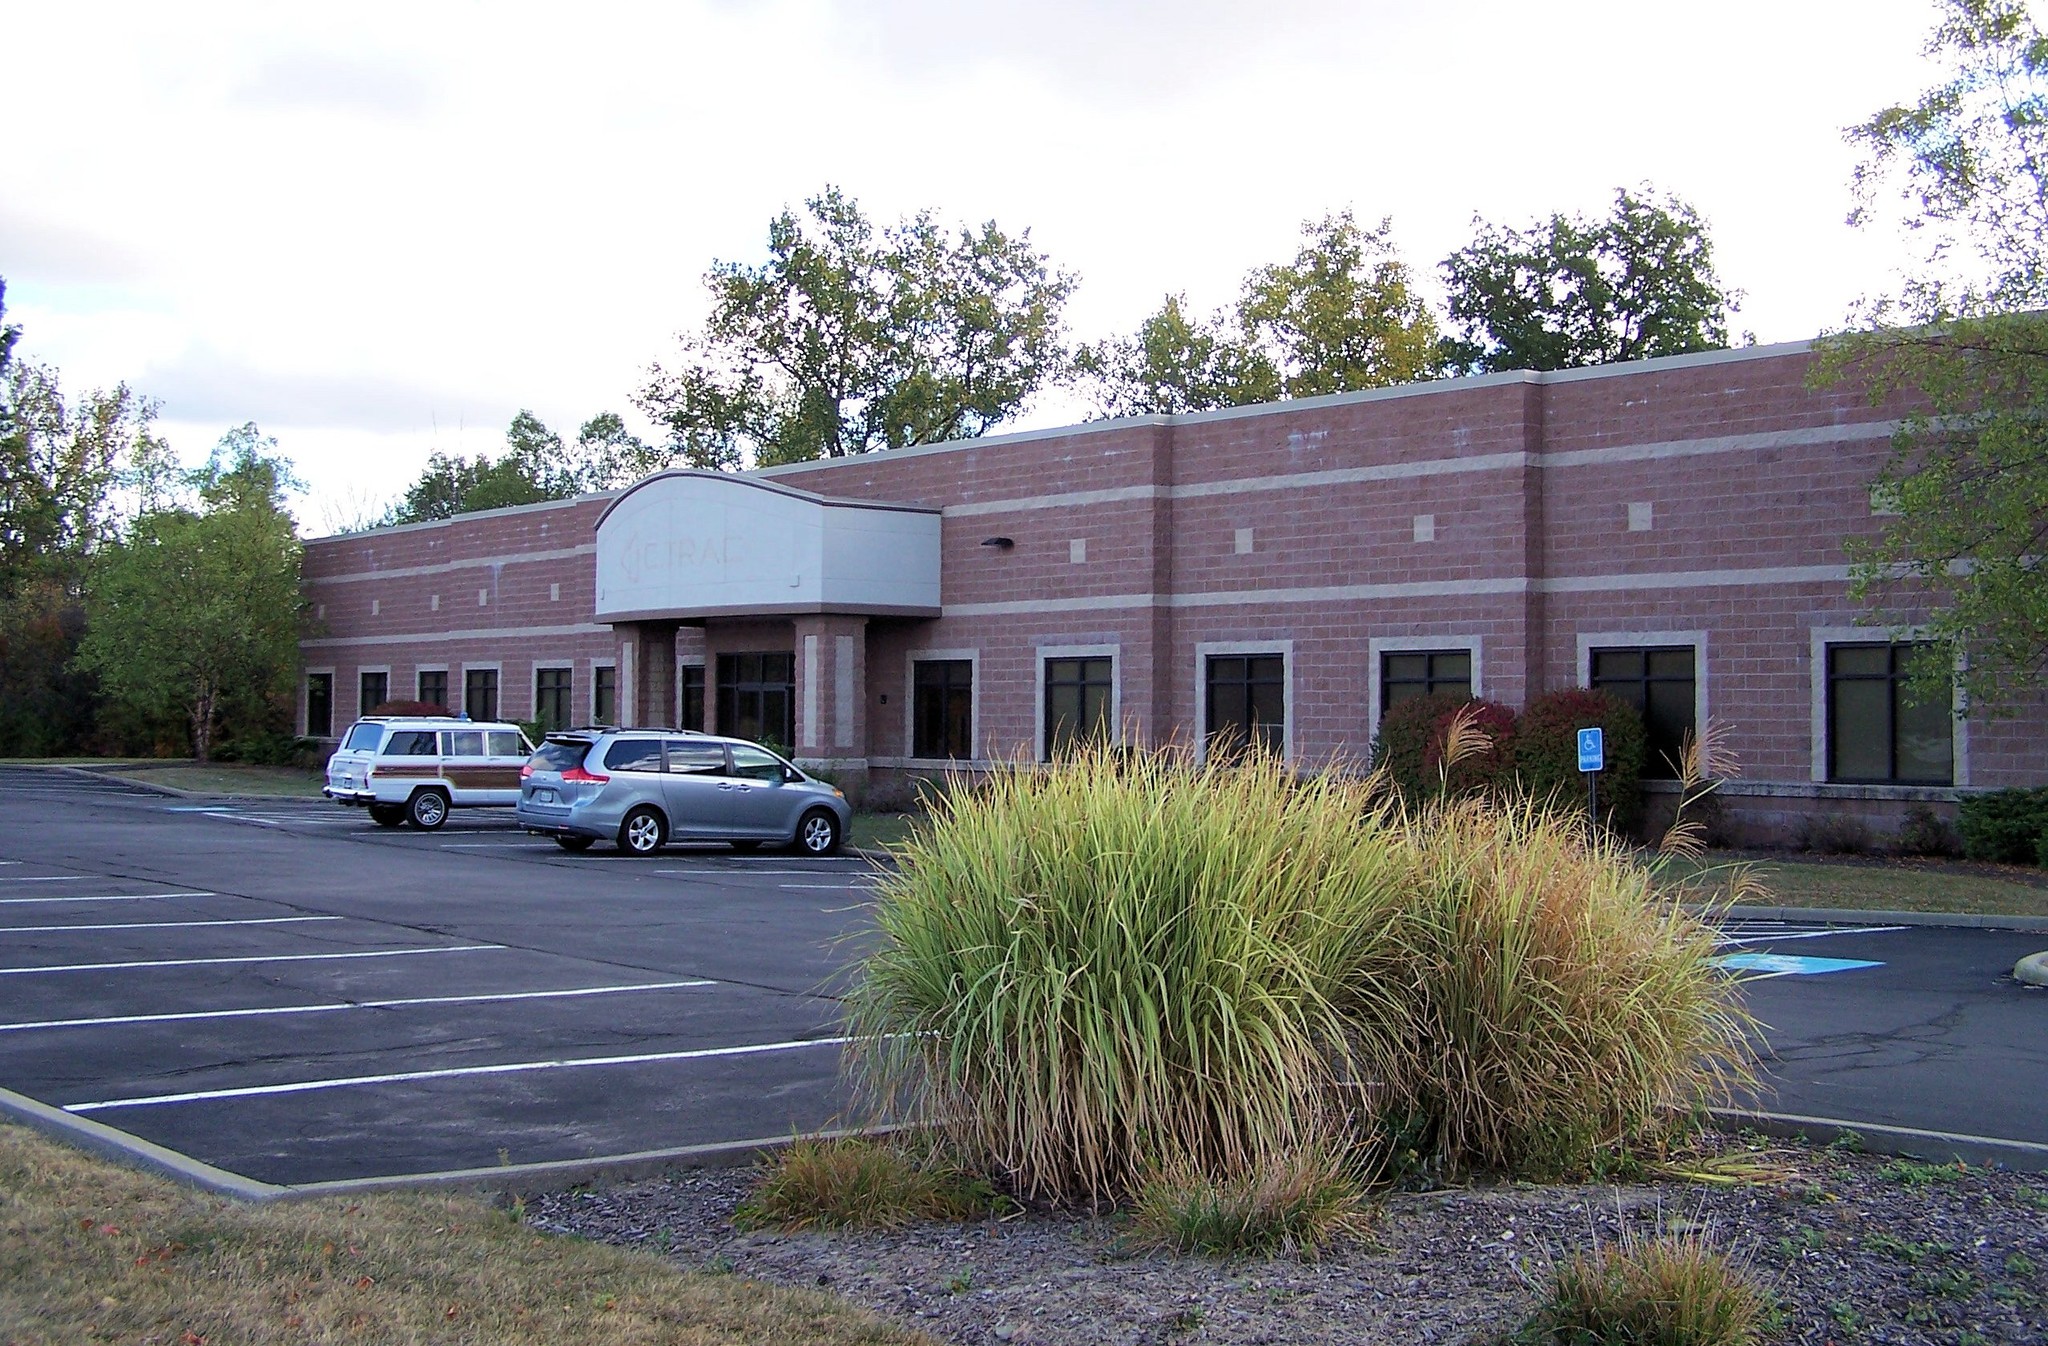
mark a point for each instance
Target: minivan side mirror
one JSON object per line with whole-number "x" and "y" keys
{"x": 790, "y": 775}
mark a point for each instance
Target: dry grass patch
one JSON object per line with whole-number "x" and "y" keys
{"x": 90, "y": 1252}
{"x": 1297, "y": 1206}
{"x": 1670, "y": 1290}
{"x": 867, "y": 1184}
{"x": 228, "y": 778}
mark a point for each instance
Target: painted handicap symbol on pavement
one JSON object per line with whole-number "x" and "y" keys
{"x": 1789, "y": 965}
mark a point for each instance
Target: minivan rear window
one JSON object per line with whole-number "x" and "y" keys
{"x": 363, "y": 738}
{"x": 634, "y": 754}
{"x": 555, "y": 755}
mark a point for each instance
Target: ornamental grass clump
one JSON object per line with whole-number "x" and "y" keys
{"x": 1669, "y": 1290}
{"x": 1125, "y": 961}
{"x": 1127, "y": 965}
{"x": 858, "y": 1182}
{"x": 1552, "y": 1004}
{"x": 1296, "y": 1204}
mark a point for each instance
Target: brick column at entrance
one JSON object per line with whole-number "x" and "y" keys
{"x": 653, "y": 694}
{"x": 831, "y": 690}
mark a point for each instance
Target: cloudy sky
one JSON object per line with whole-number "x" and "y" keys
{"x": 379, "y": 229}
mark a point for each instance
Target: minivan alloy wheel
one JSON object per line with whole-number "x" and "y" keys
{"x": 818, "y": 833}
{"x": 642, "y": 832}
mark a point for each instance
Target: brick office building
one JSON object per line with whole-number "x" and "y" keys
{"x": 1669, "y": 529}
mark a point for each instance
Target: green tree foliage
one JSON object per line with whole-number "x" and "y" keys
{"x": 1340, "y": 316}
{"x": 1177, "y": 364}
{"x": 196, "y": 612}
{"x": 536, "y": 465}
{"x": 1570, "y": 292}
{"x": 849, "y": 339}
{"x": 63, "y": 461}
{"x": 1963, "y": 346}
{"x": 1343, "y": 315}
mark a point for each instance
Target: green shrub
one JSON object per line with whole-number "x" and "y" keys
{"x": 1926, "y": 832}
{"x": 862, "y": 1183}
{"x": 1295, "y": 1204}
{"x": 1409, "y": 747}
{"x": 1834, "y": 834}
{"x": 1112, "y": 967}
{"x": 1546, "y": 752}
{"x": 1117, "y": 962}
{"x": 2003, "y": 825}
{"x": 1551, "y": 1004}
{"x": 1674, "y": 1290}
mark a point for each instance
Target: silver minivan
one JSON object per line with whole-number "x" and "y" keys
{"x": 644, "y": 788}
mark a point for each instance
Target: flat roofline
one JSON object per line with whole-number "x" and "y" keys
{"x": 385, "y": 530}
{"x": 1431, "y": 387}
{"x": 1428, "y": 388}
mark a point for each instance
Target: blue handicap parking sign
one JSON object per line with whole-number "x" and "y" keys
{"x": 1592, "y": 750}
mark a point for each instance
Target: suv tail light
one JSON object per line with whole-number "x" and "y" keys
{"x": 576, "y": 775}
{"x": 526, "y": 771}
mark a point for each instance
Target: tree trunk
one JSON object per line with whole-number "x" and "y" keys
{"x": 202, "y": 722}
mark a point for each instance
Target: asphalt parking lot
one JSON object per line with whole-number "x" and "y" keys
{"x": 286, "y": 992}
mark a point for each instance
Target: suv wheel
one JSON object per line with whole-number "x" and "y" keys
{"x": 387, "y": 815}
{"x": 818, "y": 833}
{"x": 643, "y": 831}
{"x": 428, "y": 809}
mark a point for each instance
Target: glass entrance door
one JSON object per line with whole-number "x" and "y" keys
{"x": 757, "y": 698}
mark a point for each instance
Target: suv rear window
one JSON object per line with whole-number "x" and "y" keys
{"x": 556, "y": 755}
{"x": 411, "y": 743}
{"x": 363, "y": 738}
{"x": 634, "y": 754}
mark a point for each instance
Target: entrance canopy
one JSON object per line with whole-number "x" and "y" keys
{"x": 690, "y": 544}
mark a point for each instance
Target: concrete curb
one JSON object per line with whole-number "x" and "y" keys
{"x": 2033, "y": 969}
{"x": 132, "y": 1151}
{"x": 1853, "y": 916}
{"x": 1905, "y": 1141}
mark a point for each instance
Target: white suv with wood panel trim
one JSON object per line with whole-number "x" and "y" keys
{"x": 416, "y": 768}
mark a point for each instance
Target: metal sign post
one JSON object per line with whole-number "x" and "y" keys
{"x": 1592, "y": 759}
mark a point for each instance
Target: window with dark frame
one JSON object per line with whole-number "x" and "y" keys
{"x": 553, "y": 697}
{"x": 480, "y": 693}
{"x": 1661, "y": 682}
{"x": 372, "y": 691}
{"x": 434, "y": 688}
{"x": 604, "y": 694}
{"x": 1882, "y": 730}
{"x": 942, "y": 708}
{"x": 320, "y": 705}
{"x": 690, "y": 692}
{"x": 1077, "y": 700}
{"x": 1411, "y": 673}
{"x": 757, "y": 697}
{"x": 1246, "y": 703}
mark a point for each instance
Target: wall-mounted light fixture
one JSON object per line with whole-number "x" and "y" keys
{"x": 999, "y": 543}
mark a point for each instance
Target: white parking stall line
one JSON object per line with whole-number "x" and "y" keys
{"x": 48, "y": 878}
{"x": 452, "y": 1072}
{"x": 1771, "y": 937}
{"x": 103, "y": 897}
{"x": 262, "y": 1011}
{"x": 744, "y": 872}
{"x": 853, "y": 881}
{"x": 164, "y": 925}
{"x": 250, "y": 958}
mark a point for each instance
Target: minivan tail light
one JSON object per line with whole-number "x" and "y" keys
{"x": 576, "y": 775}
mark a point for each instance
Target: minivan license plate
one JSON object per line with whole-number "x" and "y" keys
{"x": 543, "y": 796}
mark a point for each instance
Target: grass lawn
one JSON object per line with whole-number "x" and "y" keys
{"x": 227, "y": 778}
{"x": 1888, "y": 885}
{"x": 876, "y": 830}
{"x": 91, "y": 1252}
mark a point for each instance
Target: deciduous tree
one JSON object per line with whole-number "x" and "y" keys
{"x": 1569, "y": 291}
{"x": 196, "y": 612}
{"x": 849, "y": 339}
{"x": 1175, "y": 363}
{"x": 1964, "y": 343}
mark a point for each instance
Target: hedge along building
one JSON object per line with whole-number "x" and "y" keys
{"x": 1671, "y": 530}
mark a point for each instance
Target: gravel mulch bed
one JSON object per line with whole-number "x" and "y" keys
{"x": 1857, "y": 1248}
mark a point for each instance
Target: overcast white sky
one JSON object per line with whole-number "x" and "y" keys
{"x": 377, "y": 229}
